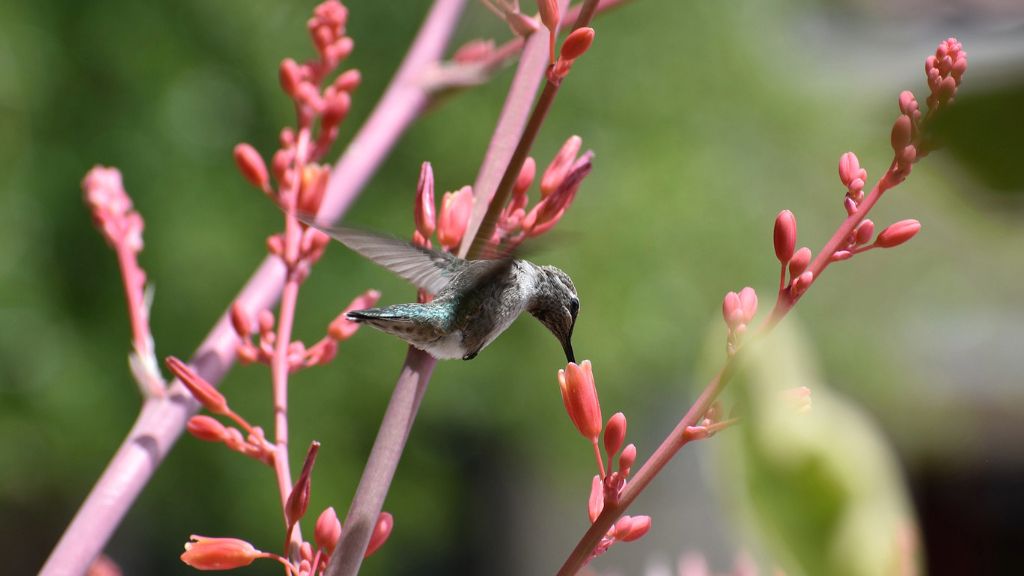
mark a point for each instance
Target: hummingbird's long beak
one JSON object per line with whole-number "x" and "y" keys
{"x": 567, "y": 346}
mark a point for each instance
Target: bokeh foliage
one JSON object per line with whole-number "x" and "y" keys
{"x": 707, "y": 118}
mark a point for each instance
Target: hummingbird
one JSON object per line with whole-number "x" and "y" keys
{"x": 474, "y": 300}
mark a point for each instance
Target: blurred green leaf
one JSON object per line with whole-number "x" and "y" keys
{"x": 821, "y": 487}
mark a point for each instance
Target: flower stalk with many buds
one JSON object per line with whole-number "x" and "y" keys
{"x": 911, "y": 140}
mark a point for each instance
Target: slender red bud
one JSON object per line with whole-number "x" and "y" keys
{"x": 785, "y": 236}
{"x": 206, "y": 428}
{"x": 201, "y": 390}
{"x": 328, "y": 530}
{"x": 251, "y": 164}
{"x": 205, "y": 553}
{"x": 595, "y": 504}
{"x": 799, "y": 262}
{"x": 298, "y": 500}
{"x": 898, "y": 233}
{"x": 381, "y": 531}
{"x": 423, "y": 214}
{"x": 614, "y": 434}
{"x": 627, "y": 458}
{"x": 577, "y": 44}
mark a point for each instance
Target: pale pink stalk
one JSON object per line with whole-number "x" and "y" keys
{"x": 161, "y": 421}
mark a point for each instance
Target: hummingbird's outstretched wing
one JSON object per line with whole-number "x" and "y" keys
{"x": 425, "y": 268}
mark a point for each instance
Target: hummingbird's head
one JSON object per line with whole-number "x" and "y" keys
{"x": 556, "y": 305}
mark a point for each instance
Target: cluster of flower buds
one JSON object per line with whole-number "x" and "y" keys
{"x": 450, "y": 222}
{"x": 575, "y": 45}
{"x": 112, "y": 210}
{"x": 579, "y": 394}
{"x": 738, "y": 310}
{"x": 945, "y": 69}
{"x": 252, "y": 444}
{"x": 226, "y": 553}
{"x": 301, "y": 182}
{"x": 558, "y": 186}
{"x": 257, "y": 342}
{"x": 121, "y": 226}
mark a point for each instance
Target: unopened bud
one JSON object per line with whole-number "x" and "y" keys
{"x": 901, "y": 133}
{"x": 799, "y": 262}
{"x": 251, "y": 164}
{"x": 328, "y": 530}
{"x": 614, "y": 434}
{"x": 206, "y": 428}
{"x": 785, "y": 236}
{"x": 381, "y": 531}
{"x": 577, "y": 43}
{"x": 201, "y": 390}
{"x": 898, "y": 233}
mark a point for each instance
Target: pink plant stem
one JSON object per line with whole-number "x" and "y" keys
{"x": 138, "y": 316}
{"x": 162, "y": 420}
{"x": 280, "y": 366}
{"x": 678, "y": 437}
{"x": 405, "y": 400}
{"x": 481, "y": 233}
{"x": 786, "y": 300}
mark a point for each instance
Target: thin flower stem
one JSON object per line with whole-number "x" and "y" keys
{"x": 597, "y": 457}
{"x": 412, "y": 383}
{"x": 482, "y": 234}
{"x": 677, "y": 438}
{"x": 161, "y": 421}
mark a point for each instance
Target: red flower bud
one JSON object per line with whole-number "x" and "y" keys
{"x": 785, "y": 236}
{"x": 901, "y": 133}
{"x": 202, "y": 390}
{"x": 381, "y": 531}
{"x": 898, "y": 233}
{"x": 799, "y": 262}
{"x": 596, "y": 501}
{"x": 205, "y": 553}
{"x": 206, "y": 428}
{"x": 633, "y": 529}
{"x": 251, "y": 164}
{"x": 577, "y": 43}
{"x": 423, "y": 211}
{"x": 627, "y": 458}
{"x": 298, "y": 500}
{"x": 240, "y": 320}
{"x": 328, "y": 530}
{"x": 614, "y": 434}
{"x": 456, "y": 208}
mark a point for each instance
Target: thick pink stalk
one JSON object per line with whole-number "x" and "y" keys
{"x": 162, "y": 420}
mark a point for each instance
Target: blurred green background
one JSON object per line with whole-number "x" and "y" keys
{"x": 707, "y": 118}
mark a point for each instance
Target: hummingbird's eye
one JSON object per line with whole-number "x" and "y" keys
{"x": 574, "y": 307}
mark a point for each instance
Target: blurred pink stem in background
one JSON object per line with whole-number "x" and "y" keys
{"x": 162, "y": 420}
